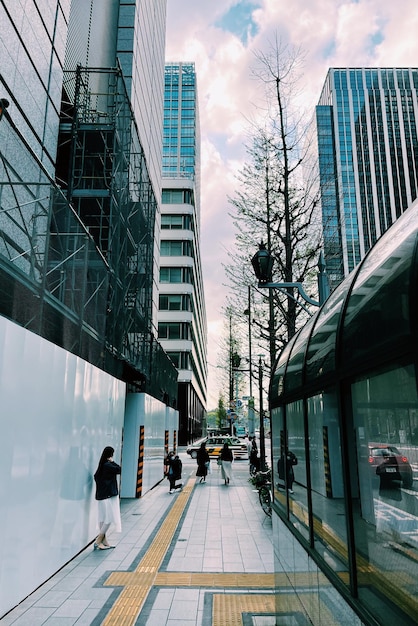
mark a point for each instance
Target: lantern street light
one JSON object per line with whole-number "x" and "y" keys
{"x": 262, "y": 263}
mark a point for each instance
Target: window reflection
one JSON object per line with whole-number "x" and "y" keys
{"x": 292, "y": 465}
{"x": 328, "y": 509}
{"x": 386, "y": 526}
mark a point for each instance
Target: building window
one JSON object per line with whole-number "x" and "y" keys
{"x": 175, "y": 302}
{"x": 172, "y": 222}
{"x": 169, "y": 330}
{"x": 177, "y": 196}
{"x": 171, "y": 248}
{"x": 174, "y": 330}
{"x": 177, "y": 222}
{"x": 181, "y": 360}
{"x": 172, "y": 196}
{"x": 171, "y": 275}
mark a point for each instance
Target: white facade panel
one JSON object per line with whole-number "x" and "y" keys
{"x": 143, "y": 410}
{"x": 57, "y": 414}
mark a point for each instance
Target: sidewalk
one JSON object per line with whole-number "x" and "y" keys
{"x": 200, "y": 557}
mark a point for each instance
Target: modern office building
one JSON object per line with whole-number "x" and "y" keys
{"x": 368, "y": 158}
{"x": 80, "y": 184}
{"x": 182, "y": 326}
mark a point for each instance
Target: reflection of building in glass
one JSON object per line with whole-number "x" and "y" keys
{"x": 182, "y": 314}
{"x": 344, "y": 400}
{"x": 368, "y": 157}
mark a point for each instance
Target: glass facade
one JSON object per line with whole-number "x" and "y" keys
{"x": 32, "y": 48}
{"x": 344, "y": 401}
{"x": 368, "y": 157}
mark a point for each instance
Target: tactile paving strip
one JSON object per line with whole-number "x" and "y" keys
{"x": 227, "y": 607}
{"x": 137, "y": 584}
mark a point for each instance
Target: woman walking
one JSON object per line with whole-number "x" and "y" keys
{"x": 203, "y": 461}
{"x": 226, "y": 463}
{"x": 174, "y": 471}
{"x": 107, "y": 496}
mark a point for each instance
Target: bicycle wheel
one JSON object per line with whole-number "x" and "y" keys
{"x": 265, "y": 499}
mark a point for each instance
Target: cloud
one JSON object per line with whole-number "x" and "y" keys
{"x": 332, "y": 33}
{"x": 239, "y": 21}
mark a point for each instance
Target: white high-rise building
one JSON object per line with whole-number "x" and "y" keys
{"x": 182, "y": 324}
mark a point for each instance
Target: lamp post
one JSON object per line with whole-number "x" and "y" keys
{"x": 262, "y": 439}
{"x": 262, "y": 263}
{"x": 250, "y": 360}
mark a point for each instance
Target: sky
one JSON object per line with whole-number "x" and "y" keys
{"x": 221, "y": 37}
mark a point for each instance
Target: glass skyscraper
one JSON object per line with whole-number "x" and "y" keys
{"x": 182, "y": 326}
{"x": 368, "y": 158}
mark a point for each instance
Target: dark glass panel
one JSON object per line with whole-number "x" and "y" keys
{"x": 386, "y": 522}
{"x": 329, "y": 517}
{"x": 378, "y": 308}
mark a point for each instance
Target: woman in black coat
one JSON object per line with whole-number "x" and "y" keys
{"x": 107, "y": 496}
{"x": 203, "y": 461}
{"x": 226, "y": 458}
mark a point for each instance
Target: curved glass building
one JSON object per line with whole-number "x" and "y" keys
{"x": 344, "y": 400}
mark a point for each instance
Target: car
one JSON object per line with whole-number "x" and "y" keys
{"x": 215, "y": 444}
{"x": 389, "y": 464}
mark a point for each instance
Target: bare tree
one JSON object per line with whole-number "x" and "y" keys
{"x": 277, "y": 199}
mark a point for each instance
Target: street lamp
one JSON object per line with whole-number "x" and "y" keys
{"x": 250, "y": 359}
{"x": 262, "y": 263}
{"x": 262, "y": 438}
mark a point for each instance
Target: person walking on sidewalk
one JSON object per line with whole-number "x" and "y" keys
{"x": 107, "y": 496}
{"x": 254, "y": 461}
{"x": 175, "y": 467}
{"x": 226, "y": 457}
{"x": 203, "y": 462}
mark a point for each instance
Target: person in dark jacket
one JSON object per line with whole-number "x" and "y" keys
{"x": 107, "y": 496}
{"x": 226, "y": 458}
{"x": 203, "y": 461}
{"x": 285, "y": 469}
{"x": 253, "y": 457}
{"x": 174, "y": 471}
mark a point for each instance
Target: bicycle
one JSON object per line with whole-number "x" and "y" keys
{"x": 262, "y": 482}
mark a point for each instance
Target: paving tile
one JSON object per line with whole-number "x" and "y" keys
{"x": 72, "y": 608}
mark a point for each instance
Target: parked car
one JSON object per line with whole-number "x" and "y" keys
{"x": 214, "y": 446}
{"x": 389, "y": 464}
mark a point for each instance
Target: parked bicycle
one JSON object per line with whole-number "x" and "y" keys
{"x": 262, "y": 482}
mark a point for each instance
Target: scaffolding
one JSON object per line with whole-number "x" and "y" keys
{"x": 79, "y": 254}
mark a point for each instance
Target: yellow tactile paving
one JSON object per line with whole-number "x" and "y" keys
{"x": 200, "y": 579}
{"x": 227, "y": 607}
{"x": 137, "y": 584}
